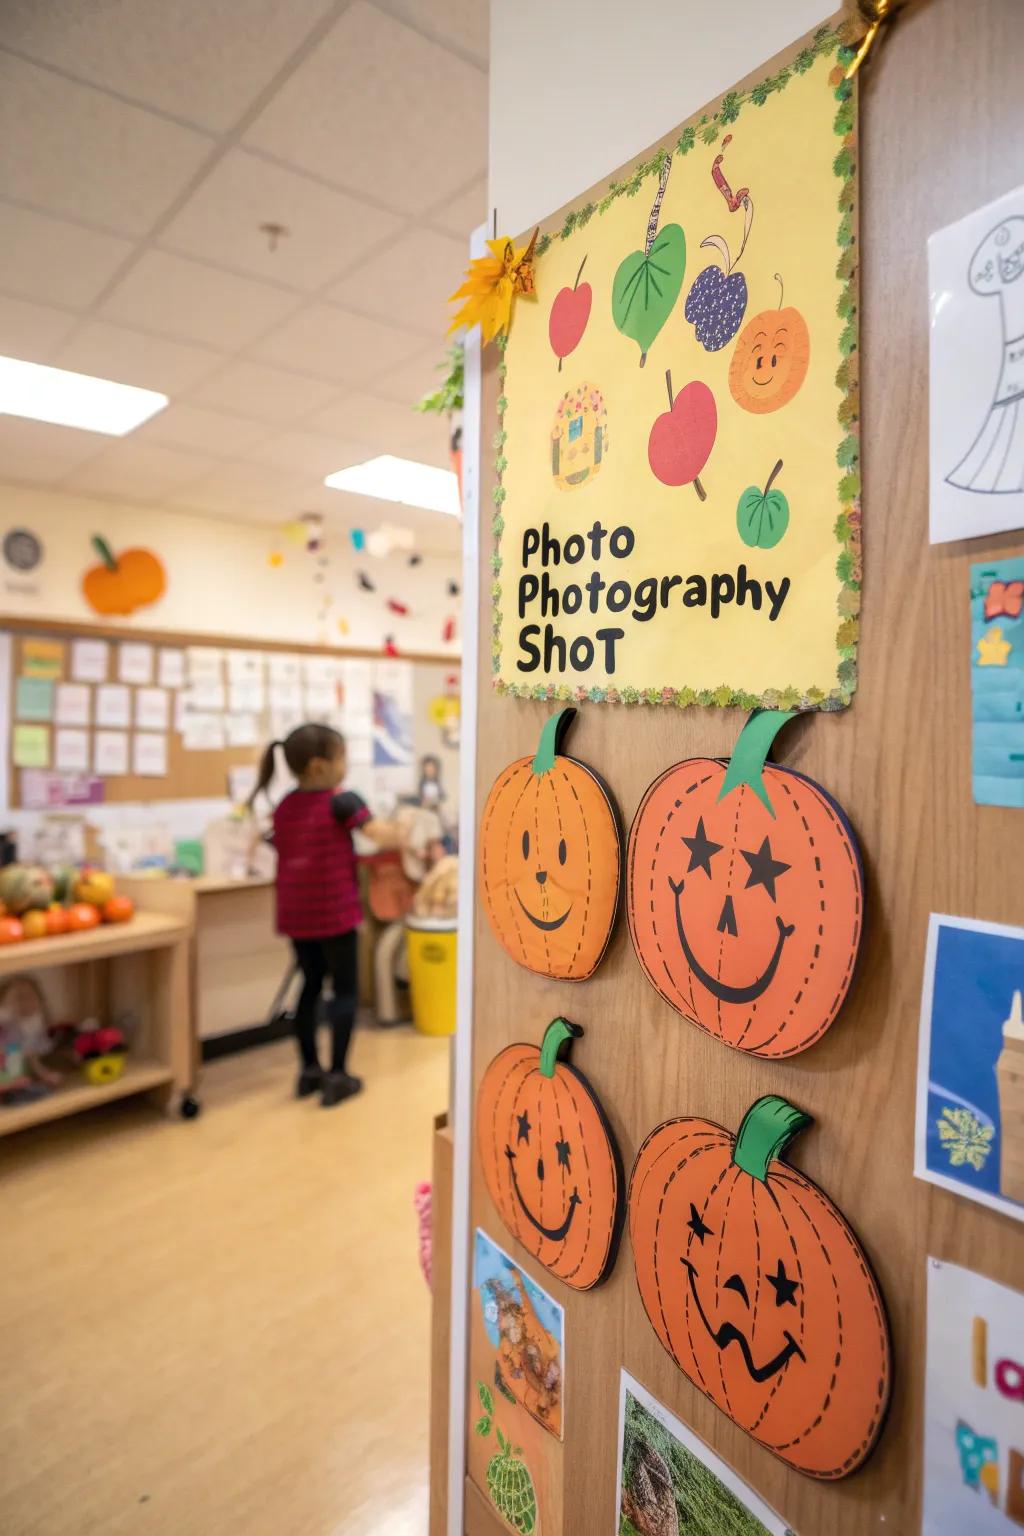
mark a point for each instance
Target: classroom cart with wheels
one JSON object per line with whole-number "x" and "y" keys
{"x": 138, "y": 968}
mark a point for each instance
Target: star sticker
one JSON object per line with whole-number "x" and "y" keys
{"x": 702, "y": 850}
{"x": 696, "y": 1225}
{"x": 764, "y": 870}
{"x": 562, "y": 1148}
{"x": 785, "y": 1289}
{"x": 524, "y": 1128}
{"x": 993, "y": 650}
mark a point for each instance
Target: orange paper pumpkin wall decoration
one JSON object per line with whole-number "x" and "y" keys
{"x": 759, "y": 1290}
{"x": 550, "y": 1159}
{"x": 551, "y": 859}
{"x": 746, "y": 896}
{"x": 771, "y": 359}
{"x": 119, "y": 584}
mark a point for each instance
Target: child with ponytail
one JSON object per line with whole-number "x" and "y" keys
{"x": 318, "y": 905}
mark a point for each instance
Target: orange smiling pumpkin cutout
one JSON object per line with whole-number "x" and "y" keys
{"x": 759, "y": 1290}
{"x": 550, "y": 1159}
{"x": 746, "y": 896}
{"x": 770, "y": 360}
{"x": 551, "y": 860}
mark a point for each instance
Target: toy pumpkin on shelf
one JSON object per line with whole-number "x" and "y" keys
{"x": 746, "y": 896}
{"x": 758, "y": 1289}
{"x": 550, "y": 1159}
{"x": 551, "y": 859}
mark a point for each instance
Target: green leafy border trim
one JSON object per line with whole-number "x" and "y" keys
{"x": 825, "y": 41}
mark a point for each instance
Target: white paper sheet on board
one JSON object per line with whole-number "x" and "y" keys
{"x": 205, "y": 695}
{"x": 152, "y": 709}
{"x": 203, "y": 732}
{"x": 149, "y": 754}
{"x": 170, "y": 668}
{"x": 245, "y": 666}
{"x": 114, "y": 705}
{"x": 205, "y": 663}
{"x": 89, "y": 661}
{"x": 71, "y": 751}
{"x": 241, "y": 730}
{"x": 110, "y": 753}
{"x": 71, "y": 704}
{"x": 135, "y": 662}
{"x": 285, "y": 669}
{"x": 976, "y": 369}
{"x": 245, "y": 693}
{"x": 973, "y": 1413}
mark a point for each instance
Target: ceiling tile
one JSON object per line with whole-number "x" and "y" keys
{"x": 464, "y": 213}
{"x": 85, "y": 155}
{"x": 203, "y": 60}
{"x": 381, "y": 286}
{"x": 378, "y": 109}
{"x": 182, "y": 425}
{"x": 413, "y": 380}
{"x": 141, "y": 471}
{"x": 268, "y": 394}
{"x": 337, "y": 344}
{"x": 327, "y": 231}
{"x": 31, "y": 331}
{"x": 54, "y": 261}
{"x": 131, "y": 357}
{"x": 42, "y": 453}
{"x": 385, "y": 426}
{"x": 310, "y": 454}
{"x": 461, "y": 24}
{"x": 196, "y": 302}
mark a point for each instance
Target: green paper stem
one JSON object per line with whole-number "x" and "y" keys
{"x": 558, "y": 1036}
{"x": 551, "y": 739}
{"x": 749, "y": 755}
{"x": 104, "y": 551}
{"x": 768, "y": 1127}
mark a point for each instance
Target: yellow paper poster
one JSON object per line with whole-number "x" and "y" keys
{"x": 678, "y": 509}
{"x": 42, "y": 658}
{"x": 30, "y": 746}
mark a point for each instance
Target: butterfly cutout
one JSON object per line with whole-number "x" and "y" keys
{"x": 1004, "y": 599}
{"x": 491, "y": 286}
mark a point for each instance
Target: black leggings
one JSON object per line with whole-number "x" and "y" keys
{"x": 336, "y": 957}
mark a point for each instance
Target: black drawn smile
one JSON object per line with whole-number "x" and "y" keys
{"x": 728, "y": 1334}
{"x": 553, "y": 1234}
{"x": 548, "y": 924}
{"x": 719, "y": 988}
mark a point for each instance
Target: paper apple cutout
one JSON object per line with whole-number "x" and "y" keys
{"x": 762, "y": 517}
{"x": 569, "y": 316}
{"x": 682, "y": 437}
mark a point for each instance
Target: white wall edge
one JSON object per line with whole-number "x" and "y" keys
{"x": 462, "y": 1092}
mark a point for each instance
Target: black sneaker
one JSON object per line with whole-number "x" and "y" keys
{"x": 310, "y": 1080}
{"x": 338, "y": 1086}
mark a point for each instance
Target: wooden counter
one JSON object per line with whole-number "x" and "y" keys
{"x": 238, "y": 960}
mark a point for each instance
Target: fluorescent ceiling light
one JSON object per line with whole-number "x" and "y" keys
{"x": 401, "y": 480}
{"x": 74, "y": 399}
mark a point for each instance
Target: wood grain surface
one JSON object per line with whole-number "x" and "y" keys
{"x": 942, "y": 132}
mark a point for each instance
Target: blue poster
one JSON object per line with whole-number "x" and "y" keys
{"x": 970, "y": 1094}
{"x": 997, "y": 682}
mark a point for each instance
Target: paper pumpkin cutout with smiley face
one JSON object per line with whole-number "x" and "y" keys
{"x": 759, "y": 1290}
{"x": 579, "y": 437}
{"x": 550, "y": 1159}
{"x": 746, "y": 896}
{"x": 551, "y": 860}
{"x": 771, "y": 358}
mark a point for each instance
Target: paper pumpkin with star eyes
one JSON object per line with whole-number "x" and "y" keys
{"x": 551, "y": 859}
{"x": 550, "y": 1159}
{"x": 759, "y": 1290}
{"x": 746, "y": 896}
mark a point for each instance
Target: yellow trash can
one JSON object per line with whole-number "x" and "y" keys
{"x": 432, "y": 972}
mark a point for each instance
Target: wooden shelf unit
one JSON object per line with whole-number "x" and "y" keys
{"x": 141, "y": 966}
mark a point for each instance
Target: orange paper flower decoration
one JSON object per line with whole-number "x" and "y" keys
{"x": 492, "y": 284}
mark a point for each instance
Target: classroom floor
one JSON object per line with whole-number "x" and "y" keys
{"x": 219, "y": 1328}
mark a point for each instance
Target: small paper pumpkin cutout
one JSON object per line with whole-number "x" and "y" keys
{"x": 746, "y": 896}
{"x": 551, "y": 860}
{"x": 759, "y": 1290}
{"x": 550, "y": 1159}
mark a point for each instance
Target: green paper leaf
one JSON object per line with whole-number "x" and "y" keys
{"x": 762, "y": 514}
{"x": 482, "y": 1426}
{"x": 646, "y": 287}
{"x": 486, "y": 1396}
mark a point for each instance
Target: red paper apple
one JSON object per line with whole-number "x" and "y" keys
{"x": 683, "y": 436}
{"x": 569, "y": 315}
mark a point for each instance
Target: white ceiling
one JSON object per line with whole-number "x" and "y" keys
{"x": 143, "y": 145}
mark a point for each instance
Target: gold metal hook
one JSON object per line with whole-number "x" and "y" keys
{"x": 875, "y": 12}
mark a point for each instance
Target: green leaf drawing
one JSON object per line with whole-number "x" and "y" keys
{"x": 762, "y": 517}
{"x": 486, "y": 1396}
{"x": 482, "y": 1426}
{"x": 648, "y": 282}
